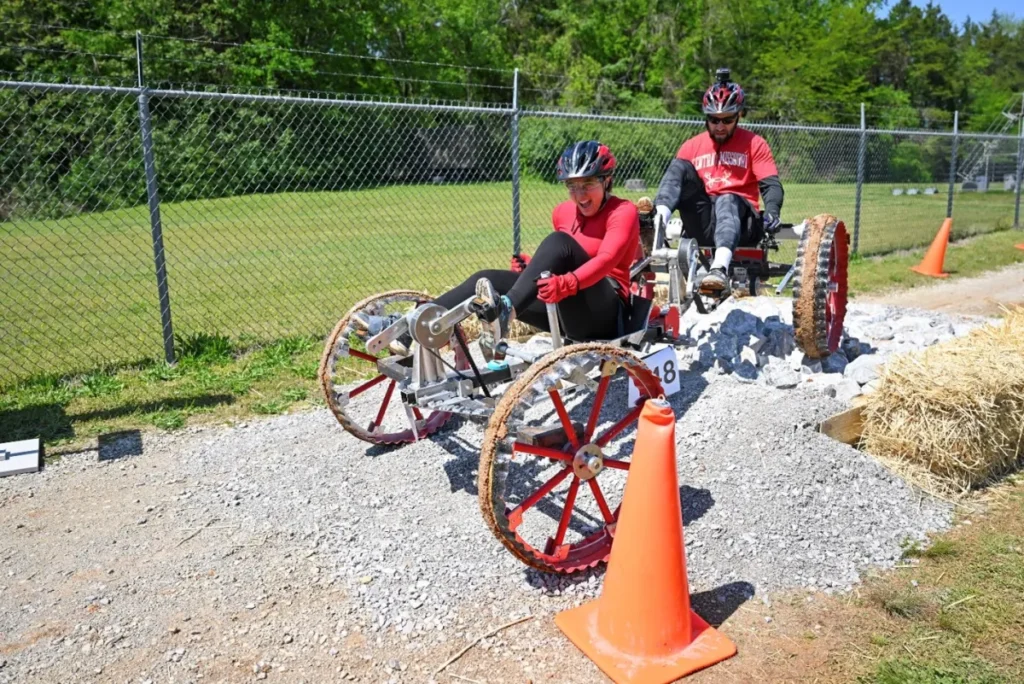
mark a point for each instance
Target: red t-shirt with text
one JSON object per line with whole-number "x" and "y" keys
{"x": 735, "y": 167}
{"x": 610, "y": 238}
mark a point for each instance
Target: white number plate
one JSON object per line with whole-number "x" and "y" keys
{"x": 665, "y": 365}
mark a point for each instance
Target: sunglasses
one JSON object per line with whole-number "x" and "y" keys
{"x": 722, "y": 121}
{"x": 583, "y": 188}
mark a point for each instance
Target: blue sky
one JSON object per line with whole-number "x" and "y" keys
{"x": 978, "y": 10}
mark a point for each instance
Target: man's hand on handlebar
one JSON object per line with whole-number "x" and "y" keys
{"x": 664, "y": 213}
{"x": 772, "y": 224}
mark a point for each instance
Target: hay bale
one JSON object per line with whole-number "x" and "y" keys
{"x": 951, "y": 418}
{"x": 517, "y": 332}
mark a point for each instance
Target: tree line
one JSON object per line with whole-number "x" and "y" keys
{"x": 799, "y": 60}
{"x": 807, "y": 60}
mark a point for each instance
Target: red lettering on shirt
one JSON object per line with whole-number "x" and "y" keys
{"x": 734, "y": 167}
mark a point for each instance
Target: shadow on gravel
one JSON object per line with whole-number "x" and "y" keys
{"x": 691, "y": 385}
{"x": 696, "y": 502}
{"x": 461, "y": 470}
{"x": 114, "y": 445}
{"x": 717, "y": 605}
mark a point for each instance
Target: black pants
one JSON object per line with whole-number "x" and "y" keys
{"x": 723, "y": 221}
{"x": 592, "y": 313}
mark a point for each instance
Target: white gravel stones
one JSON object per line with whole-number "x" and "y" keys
{"x": 392, "y": 541}
{"x": 752, "y": 338}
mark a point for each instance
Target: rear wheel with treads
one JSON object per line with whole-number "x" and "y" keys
{"x": 370, "y": 410}
{"x": 820, "y": 286}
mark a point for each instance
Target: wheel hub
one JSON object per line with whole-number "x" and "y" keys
{"x": 421, "y": 328}
{"x": 588, "y": 462}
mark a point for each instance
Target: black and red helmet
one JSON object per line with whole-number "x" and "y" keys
{"x": 586, "y": 159}
{"x": 724, "y": 97}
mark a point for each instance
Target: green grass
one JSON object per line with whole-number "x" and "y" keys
{"x": 82, "y": 336}
{"x": 958, "y": 616}
{"x": 80, "y": 292}
{"x": 213, "y": 381}
{"x": 966, "y": 258}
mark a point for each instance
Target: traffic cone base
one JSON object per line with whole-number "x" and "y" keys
{"x": 708, "y": 647}
{"x": 641, "y": 629}
{"x": 931, "y": 264}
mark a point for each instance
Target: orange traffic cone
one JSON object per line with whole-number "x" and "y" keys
{"x": 931, "y": 265}
{"x": 641, "y": 629}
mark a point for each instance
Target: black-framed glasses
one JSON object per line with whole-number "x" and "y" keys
{"x": 723, "y": 120}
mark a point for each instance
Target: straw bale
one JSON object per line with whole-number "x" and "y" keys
{"x": 951, "y": 417}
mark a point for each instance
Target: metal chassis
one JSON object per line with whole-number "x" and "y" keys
{"x": 429, "y": 383}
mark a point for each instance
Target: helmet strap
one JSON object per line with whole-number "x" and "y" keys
{"x": 607, "y": 191}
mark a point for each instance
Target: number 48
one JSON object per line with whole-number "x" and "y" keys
{"x": 668, "y": 375}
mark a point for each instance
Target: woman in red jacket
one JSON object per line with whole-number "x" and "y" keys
{"x": 588, "y": 254}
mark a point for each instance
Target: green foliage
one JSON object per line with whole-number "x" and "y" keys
{"x": 903, "y": 671}
{"x": 809, "y": 61}
{"x": 203, "y": 347}
{"x": 100, "y": 384}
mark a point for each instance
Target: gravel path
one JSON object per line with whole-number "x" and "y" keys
{"x": 284, "y": 544}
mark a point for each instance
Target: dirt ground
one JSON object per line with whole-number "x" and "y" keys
{"x": 981, "y": 296}
{"x": 107, "y": 589}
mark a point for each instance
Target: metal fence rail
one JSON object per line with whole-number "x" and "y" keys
{"x": 132, "y": 216}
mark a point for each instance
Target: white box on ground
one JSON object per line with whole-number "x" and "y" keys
{"x": 20, "y": 457}
{"x": 665, "y": 364}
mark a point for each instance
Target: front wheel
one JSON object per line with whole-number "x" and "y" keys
{"x": 820, "y": 286}
{"x": 556, "y": 454}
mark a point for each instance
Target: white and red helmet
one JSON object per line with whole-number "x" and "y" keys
{"x": 724, "y": 97}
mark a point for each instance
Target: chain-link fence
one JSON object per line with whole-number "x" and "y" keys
{"x": 130, "y": 216}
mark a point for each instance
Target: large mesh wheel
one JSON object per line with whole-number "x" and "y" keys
{"x": 556, "y": 454}
{"x": 369, "y": 409}
{"x": 820, "y": 286}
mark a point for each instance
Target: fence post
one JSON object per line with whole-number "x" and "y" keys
{"x": 952, "y": 163}
{"x": 153, "y": 196}
{"x": 515, "y": 163}
{"x": 862, "y": 149}
{"x": 1020, "y": 166}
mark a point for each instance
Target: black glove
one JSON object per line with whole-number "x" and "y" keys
{"x": 771, "y": 223}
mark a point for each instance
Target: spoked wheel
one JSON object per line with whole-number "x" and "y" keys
{"x": 556, "y": 454}
{"x": 369, "y": 408}
{"x": 820, "y": 286}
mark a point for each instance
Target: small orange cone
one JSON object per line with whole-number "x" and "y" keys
{"x": 931, "y": 265}
{"x": 641, "y": 629}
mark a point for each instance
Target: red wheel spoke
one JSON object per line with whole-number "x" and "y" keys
{"x": 564, "y": 417}
{"x": 366, "y": 385}
{"x": 363, "y": 355}
{"x": 570, "y": 501}
{"x": 544, "y": 490}
{"x": 384, "y": 405}
{"x": 614, "y": 430}
{"x": 616, "y": 464}
{"x": 546, "y": 452}
{"x": 601, "y": 503}
{"x": 602, "y": 387}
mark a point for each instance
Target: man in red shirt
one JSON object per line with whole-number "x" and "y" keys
{"x": 715, "y": 181}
